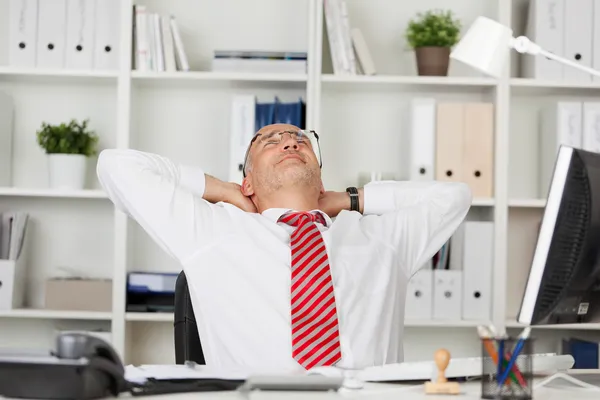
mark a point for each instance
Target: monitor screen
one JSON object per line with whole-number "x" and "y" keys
{"x": 566, "y": 262}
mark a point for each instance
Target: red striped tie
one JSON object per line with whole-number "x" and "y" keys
{"x": 315, "y": 335}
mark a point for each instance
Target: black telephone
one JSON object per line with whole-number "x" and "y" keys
{"x": 82, "y": 366}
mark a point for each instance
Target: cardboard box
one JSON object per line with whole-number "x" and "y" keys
{"x": 76, "y": 294}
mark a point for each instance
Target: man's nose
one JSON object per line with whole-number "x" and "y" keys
{"x": 289, "y": 142}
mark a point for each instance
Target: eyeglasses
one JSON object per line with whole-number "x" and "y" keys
{"x": 274, "y": 138}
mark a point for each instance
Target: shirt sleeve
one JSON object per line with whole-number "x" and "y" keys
{"x": 416, "y": 218}
{"x": 164, "y": 198}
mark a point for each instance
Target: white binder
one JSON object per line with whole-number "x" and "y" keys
{"x": 106, "y": 42}
{"x": 578, "y": 38}
{"x": 447, "y": 294}
{"x": 422, "y": 138}
{"x": 79, "y": 53}
{"x": 560, "y": 125}
{"x": 596, "y": 39}
{"x": 476, "y": 240}
{"x": 419, "y": 295}
{"x": 241, "y": 132}
{"x": 591, "y": 127}
{"x": 22, "y": 33}
{"x": 51, "y": 33}
{"x": 6, "y": 131}
{"x": 545, "y": 26}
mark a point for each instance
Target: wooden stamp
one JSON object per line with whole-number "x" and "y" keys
{"x": 441, "y": 385}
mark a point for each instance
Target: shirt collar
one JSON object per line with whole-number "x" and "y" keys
{"x": 273, "y": 214}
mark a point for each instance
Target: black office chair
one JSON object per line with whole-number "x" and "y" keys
{"x": 187, "y": 340}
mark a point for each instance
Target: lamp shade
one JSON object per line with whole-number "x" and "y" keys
{"x": 485, "y": 46}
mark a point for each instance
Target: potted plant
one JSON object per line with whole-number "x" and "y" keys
{"x": 68, "y": 146}
{"x": 431, "y": 34}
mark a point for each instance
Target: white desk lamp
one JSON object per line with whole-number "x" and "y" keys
{"x": 486, "y": 45}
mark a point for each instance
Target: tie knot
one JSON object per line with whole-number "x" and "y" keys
{"x": 301, "y": 217}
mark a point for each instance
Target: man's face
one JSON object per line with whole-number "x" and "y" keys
{"x": 279, "y": 157}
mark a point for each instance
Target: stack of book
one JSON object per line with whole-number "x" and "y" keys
{"x": 350, "y": 54}
{"x": 277, "y": 62}
{"x": 157, "y": 42}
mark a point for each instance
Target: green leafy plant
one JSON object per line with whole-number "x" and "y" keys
{"x": 71, "y": 138}
{"x": 433, "y": 28}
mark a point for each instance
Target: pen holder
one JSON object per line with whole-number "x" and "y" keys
{"x": 507, "y": 370}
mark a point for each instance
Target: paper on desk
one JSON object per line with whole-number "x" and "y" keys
{"x": 141, "y": 373}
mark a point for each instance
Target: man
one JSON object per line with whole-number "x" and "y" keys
{"x": 274, "y": 282}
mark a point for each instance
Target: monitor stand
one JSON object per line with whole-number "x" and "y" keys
{"x": 587, "y": 379}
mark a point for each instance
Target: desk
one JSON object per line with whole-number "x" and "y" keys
{"x": 373, "y": 391}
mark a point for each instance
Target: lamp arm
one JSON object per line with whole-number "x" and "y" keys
{"x": 568, "y": 62}
{"x": 522, "y": 44}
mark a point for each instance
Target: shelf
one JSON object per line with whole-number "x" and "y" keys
{"x": 55, "y": 314}
{"x": 483, "y": 202}
{"x": 149, "y": 317}
{"x": 539, "y": 86}
{"x": 527, "y": 203}
{"x": 443, "y": 323}
{"x": 52, "y": 193}
{"x": 36, "y": 75}
{"x": 589, "y": 326}
{"x": 441, "y": 82}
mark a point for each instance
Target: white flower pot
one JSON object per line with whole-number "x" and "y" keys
{"x": 67, "y": 171}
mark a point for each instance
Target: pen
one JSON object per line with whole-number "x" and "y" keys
{"x": 518, "y": 347}
{"x": 486, "y": 336}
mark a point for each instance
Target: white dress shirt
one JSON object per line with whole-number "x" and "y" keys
{"x": 238, "y": 264}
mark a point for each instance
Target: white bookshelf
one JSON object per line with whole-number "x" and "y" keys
{"x": 185, "y": 116}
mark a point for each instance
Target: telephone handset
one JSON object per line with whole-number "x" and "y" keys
{"x": 81, "y": 366}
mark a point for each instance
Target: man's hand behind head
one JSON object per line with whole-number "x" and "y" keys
{"x": 234, "y": 195}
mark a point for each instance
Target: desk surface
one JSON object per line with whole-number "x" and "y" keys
{"x": 377, "y": 391}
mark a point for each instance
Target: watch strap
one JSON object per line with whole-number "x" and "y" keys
{"x": 353, "y": 192}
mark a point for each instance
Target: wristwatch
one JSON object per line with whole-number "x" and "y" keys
{"x": 353, "y": 192}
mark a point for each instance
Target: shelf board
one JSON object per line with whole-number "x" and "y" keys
{"x": 216, "y": 76}
{"x": 149, "y": 316}
{"x": 542, "y": 86}
{"x": 431, "y": 323}
{"x": 52, "y": 193}
{"x": 416, "y": 81}
{"x": 55, "y": 314}
{"x": 527, "y": 203}
{"x": 39, "y": 74}
{"x": 588, "y": 326}
{"x": 483, "y": 202}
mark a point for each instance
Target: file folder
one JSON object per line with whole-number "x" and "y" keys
{"x": 546, "y": 27}
{"x": 106, "y": 40}
{"x": 596, "y": 39}
{"x": 478, "y": 161}
{"x": 591, "y": 127}
{"x": 561, "y": 123}
{"x": 422, "y": 138}
{"x": 449, "y": 142}
{"x": 472, "y": 251}
{"x": 241, "y": 132}
{"x": 23, "y": 16}
{"x": 79, "y": 49}
{"x": 51, "y": 34}
{"x": 578, "y": 38}
{"x": 419, "y": 295}
{"x": 447, "y": 294}
{"x": 6, "y": 131}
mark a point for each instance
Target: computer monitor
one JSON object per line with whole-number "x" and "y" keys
{"x": 565, "y": 271}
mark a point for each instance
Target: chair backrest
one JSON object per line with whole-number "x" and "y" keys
{"x": 187, "y": 340}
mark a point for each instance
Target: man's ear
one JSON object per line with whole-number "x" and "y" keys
{"x": 247, "y": 189}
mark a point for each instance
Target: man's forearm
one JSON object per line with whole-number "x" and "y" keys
{"x": 215, "y": 190}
